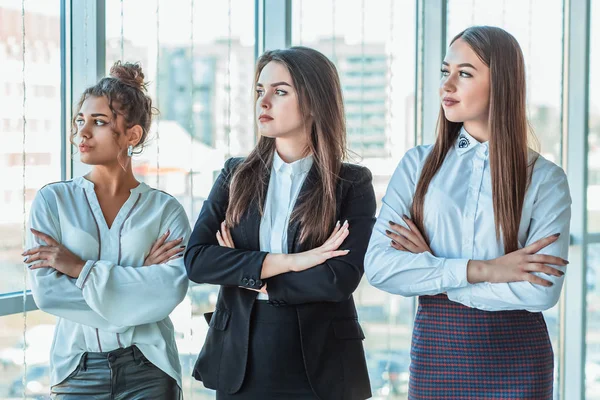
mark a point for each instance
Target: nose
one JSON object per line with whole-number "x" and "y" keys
{"x": 448, "y": 85}
{"x": 83, "y": 131}
{"x": 264, "y": 102}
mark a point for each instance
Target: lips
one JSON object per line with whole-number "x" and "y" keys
{"x": 449, "y": 101}
{"x": 84, "y": 148}
{"x": 265, "y": 118}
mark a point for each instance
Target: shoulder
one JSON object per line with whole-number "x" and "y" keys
{"x": 357, "y": 179}
{"x": 416, "y": 156}
{"x": 232, "y": 164}
{"x": 354, "y": 172}
{"x": 57, "y": 188}
{"x": 545, "y": 170}
{"x": 56, "y": 192}
{"x": 164, "y": 201}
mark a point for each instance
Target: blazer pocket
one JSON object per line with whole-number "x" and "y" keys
{"x": 219, "y": 319}
{"x": 347, "y": 329}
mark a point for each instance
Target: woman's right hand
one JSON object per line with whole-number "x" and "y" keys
{"x": 518, "y": 266}
{"x": 329, "y": 249}
{"x": 162, "y": 251}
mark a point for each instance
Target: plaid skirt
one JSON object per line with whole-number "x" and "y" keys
{"x": 463, "y": 353}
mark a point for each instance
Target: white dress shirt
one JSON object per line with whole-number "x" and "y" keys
{"x": 116, "y": 302}
{"x": 284, "y": 186}
{"x": 459, "y": 221}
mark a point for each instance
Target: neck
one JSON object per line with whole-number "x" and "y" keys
{"x": 292, "y": 149}
{"x": 480, "y": 130}
{"x": 112, "y": 179}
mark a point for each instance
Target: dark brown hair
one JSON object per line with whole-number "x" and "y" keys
{"x": 317, "y": 83}
{"x": 508, "y": 126}
{"x": 127, "y": 95}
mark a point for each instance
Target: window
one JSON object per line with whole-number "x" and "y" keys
{"x": 199, "y": 58}
{"x": 40, "y": 146}
{"x": 373, "y": 46}
{"x": 592, "y": 275}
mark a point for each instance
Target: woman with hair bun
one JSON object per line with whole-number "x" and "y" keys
{"x": 104, "y": 256}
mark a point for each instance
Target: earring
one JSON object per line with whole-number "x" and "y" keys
{"x": 129, "y": 151}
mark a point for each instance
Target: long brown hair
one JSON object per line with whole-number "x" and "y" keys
{"x": 508, "y": 126}
{"x": 320, "y": 99}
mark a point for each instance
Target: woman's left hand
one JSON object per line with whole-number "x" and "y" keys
{"x": 404, "y": 239}
{"x": 225, "y": 240}
{"x": 53, "y": 255}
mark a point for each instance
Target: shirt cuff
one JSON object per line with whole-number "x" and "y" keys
{"x": 84, "y": 274}
{"x": 455, "y": 273}
{"x": 461, "y": 295}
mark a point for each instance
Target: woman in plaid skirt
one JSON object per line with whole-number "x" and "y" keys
{"x": 477, "y": 226}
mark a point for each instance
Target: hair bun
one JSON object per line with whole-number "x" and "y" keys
{"x": 129, "y": 73}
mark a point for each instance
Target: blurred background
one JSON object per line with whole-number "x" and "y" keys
{"x": 199, "y": 57}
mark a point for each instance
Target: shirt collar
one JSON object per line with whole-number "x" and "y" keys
{"x": 465, "y": 143}
{"x": 298, "y": 167}
{"x": 89, "y": 185}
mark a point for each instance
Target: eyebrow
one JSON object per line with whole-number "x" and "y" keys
{"x": 282, "y": 83}
{"x": 461, "y": 65}
{"x": 93, "y": 115}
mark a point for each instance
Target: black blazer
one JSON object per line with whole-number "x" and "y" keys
{"x": 331, "y": 335}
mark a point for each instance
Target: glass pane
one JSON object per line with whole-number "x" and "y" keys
{"x": 537, "y": 26}
{"x": 199, "y": 59}
{"x": 39, "y": 138}
{"x": 40, "y": 331}
{"x": 592, "y": 362}
{"x": 373, "y": 48}
{"x": 593, "y": 200}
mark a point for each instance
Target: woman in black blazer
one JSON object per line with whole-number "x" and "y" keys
{"x": 284, "y": 232}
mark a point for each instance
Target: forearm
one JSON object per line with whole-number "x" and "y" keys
{"x": 276, "y": 264}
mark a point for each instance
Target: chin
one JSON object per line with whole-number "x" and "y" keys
{"x": 86, "y": 159}
{"x": 452, "y": 117}
{"x": 269, "y": 134}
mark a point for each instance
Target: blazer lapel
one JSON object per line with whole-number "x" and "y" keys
{"x": 293, "y": 235}
{"x": 250, "y": 224}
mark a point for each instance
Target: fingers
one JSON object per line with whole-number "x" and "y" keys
{"x": 220, "y": 239}
{"x": 401, "y": 240}
{"x": 46, "y": 238}
{"x": 226, "y": 236}
{"x": 170, "y": 255}
{"x": 337, "y": 231}
{"x": 536, "y": 280}
{"x": 168, "y": 246}
{"x": 398, "y": 246}
{"x": 159, "y": 242}
{"x": 339, "y": 239}
{"x": 406, "y": 233}
{"x": 413, "y": 227}
{"x": 540, "y": 244}
{"x": 42, "y": 255}
{"x": 37, "y": 250}
{"x": 336, "y": 253}
{"x": 334, "y": 242}
{"x": 546, "y": 259}
{"x": 537, "y": 267}
{"x": 40, "y": 265}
